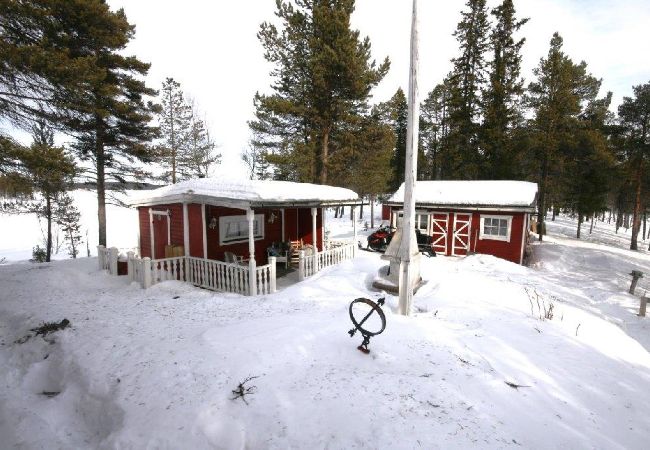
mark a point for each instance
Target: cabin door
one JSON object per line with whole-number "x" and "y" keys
{"x": 439, "y": 232}
{"x": 462, "y": 232}
{"x": 160, "y": 226}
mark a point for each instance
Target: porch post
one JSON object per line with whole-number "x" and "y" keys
{"x": 282, "y": 212}
{"x": 252, "y": 266}
{"x": 151, "y": 232}
{"x": 205, "y": 232}
{"x": 322, "y": 227}
{"x": 314, "y": 238}
{"x": 186, "y": 230}
{"x": 354, "y": 227}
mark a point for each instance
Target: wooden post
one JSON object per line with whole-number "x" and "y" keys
{"x": 186, "y": 230}
{"x": 354, "y": 228}
{"x": 301, "y": 265}
{"x": 113, "y": 260}
{"x": 314, "y": 237}
{"x": 100, "y": 256}
{"x": 252, "y": 265}
{"x": 146, "y": 272}
{"x": 642, "y": 306}
{"x": 272, "y": 261}
{"x": 205, "y": 232}
{"x": 636, "y": 274}
{"x": 282, "y": 214}
{"x": 129, "y": 265}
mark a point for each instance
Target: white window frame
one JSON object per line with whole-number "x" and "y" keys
{"x": 492, "y": 237}
{"x": 399, "y": 216}
{"x": 224, "y": 221}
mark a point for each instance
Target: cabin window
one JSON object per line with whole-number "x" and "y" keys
{"x": 421, "y": 221}
{"x": 496, "y": 228}
{"x": 234, "y": 229}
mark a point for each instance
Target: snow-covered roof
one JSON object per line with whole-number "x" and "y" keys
{"x": 247, "y": 193}
{"x": 471, "y": 193}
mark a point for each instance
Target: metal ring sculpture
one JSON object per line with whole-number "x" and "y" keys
{"x": 358, "y": 325}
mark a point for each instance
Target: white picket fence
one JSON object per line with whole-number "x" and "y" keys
{"x": 311, "y": 264}
{"x": 205, "y": 273}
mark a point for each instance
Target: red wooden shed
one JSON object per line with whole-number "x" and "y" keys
{"x": 490, "y": 217}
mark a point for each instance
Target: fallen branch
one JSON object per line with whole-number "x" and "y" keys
{"x": 577, "y": 328}
{"x": 515, "y": 385}
{"x": 242, "y": 390}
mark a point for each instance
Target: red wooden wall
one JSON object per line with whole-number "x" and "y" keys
{"x": 510, "y": 251}
{"x": 298, "y": 225}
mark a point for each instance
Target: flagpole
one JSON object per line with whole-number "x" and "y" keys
{"x": 409, "y": 254}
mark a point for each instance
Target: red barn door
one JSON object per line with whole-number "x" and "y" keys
{"x": 461, "y": 235}
{"x": 439, "y": 232}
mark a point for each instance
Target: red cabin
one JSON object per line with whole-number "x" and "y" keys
{"x": 462, "y": 217}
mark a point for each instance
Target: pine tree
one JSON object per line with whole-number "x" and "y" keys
{"x": 112, "y": 124}
{"x": 634, "y": 115}
{"x": 557, "y": 99}
{"x": 198, "y": 154}
{"x": 68, "y": 218}
{"x": 466, "y": 81}
{"x": 502, "y": 97}
{"x": 398, "y": 115}
{"x": 434, "y": 133}
{"x": 175, "y": 127}
{"x": 323, "y": 76}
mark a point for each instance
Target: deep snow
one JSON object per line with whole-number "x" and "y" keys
{"x": 156, "y": 368}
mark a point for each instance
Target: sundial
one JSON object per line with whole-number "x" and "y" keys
{"x": 367, "y": 318}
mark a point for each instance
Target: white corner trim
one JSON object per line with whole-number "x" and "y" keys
{"x": 492, "y": 237}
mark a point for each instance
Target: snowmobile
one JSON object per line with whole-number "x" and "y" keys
{"x": 379, "y": 240}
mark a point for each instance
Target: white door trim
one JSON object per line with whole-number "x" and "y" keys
{"x": 441, "y": 233}
{"x": 464, "y": 231}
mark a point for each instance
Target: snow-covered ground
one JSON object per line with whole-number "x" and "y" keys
{"x": 156, "y": 368}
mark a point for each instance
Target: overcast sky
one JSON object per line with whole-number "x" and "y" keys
{"x": 211, "y": 47}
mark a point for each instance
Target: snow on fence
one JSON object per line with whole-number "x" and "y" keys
{"x": 205, "y": 273}
{"x": 107, "y": 258}
{"x": 309, "y": 265}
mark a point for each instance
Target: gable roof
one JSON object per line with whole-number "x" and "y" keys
{"x": 489, "y": 193}
{"x": 247, "y": 193}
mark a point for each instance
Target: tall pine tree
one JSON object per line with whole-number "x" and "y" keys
{"x": 466, "y": 81}
{"x": 175, "y": 123}
{"x": 323, "y": 75}
{"x": 502, "y": 97}
{"x": 557, "y": 98}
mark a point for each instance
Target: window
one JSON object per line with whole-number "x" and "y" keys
{"x": 496, "y": 228}
{"x": 421, "y": 221}
{"x": 234, "y": 229}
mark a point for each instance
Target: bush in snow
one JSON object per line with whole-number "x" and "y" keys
{"x": 39, "y": 254}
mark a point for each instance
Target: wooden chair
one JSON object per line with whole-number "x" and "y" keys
{"x": 294, "y": 252}
{"x": 280, "y": 251}
{"x": 231, "y": 258}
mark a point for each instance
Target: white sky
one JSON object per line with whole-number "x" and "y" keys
{"x": 211, "y": 47}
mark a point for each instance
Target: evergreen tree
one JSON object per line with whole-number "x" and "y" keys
{"x": 175, "y": 119}
{"x": 556, "y": 98}
{"x": 398, "y": 116}
{"x": 634, "y": 115}
{"x": 502, "y": 97}
{"x": 198, "y": 154}
{"x": 112, "y": 124}
{"x": 68, "y": 218}
{"x": 466, "y": 81}
{"x": 50, "y": 171}
{"x": 434, "y": 133}
{"x": 323, "y": 76}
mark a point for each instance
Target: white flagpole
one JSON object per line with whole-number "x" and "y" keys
{"x": 409, "y": 273}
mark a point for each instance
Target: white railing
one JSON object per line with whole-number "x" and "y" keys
{"x": 107, "y": 258}
{"x": 168, "y": 269}
{"x": 218, "y": 275}
{"x": 265, "y": 277}
{"x": 309, "y": 265}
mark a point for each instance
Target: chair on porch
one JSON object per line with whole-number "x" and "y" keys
{"x": 294, "y": 251}
{"x": 279, "y": 250}
{"x": 231, "y": 258}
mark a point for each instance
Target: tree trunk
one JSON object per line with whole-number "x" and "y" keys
{"x": 372, "y": 212}
{"x": 541, "y": 200}
{"x": 556, "y": 211}
{"x": 619, "y": 221}
{"x": 101, "y": 182}
{"x": 591, "y": 228}
{"x": 48, "y": 217}
{"x": 579, "y": 225}
{"x": 645, "y": 218}
{"x": 324, "y": 156}
{"x": 636, "y": 219}
{"x": 361, "y": 211}
{"x": 609, "y": 220}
